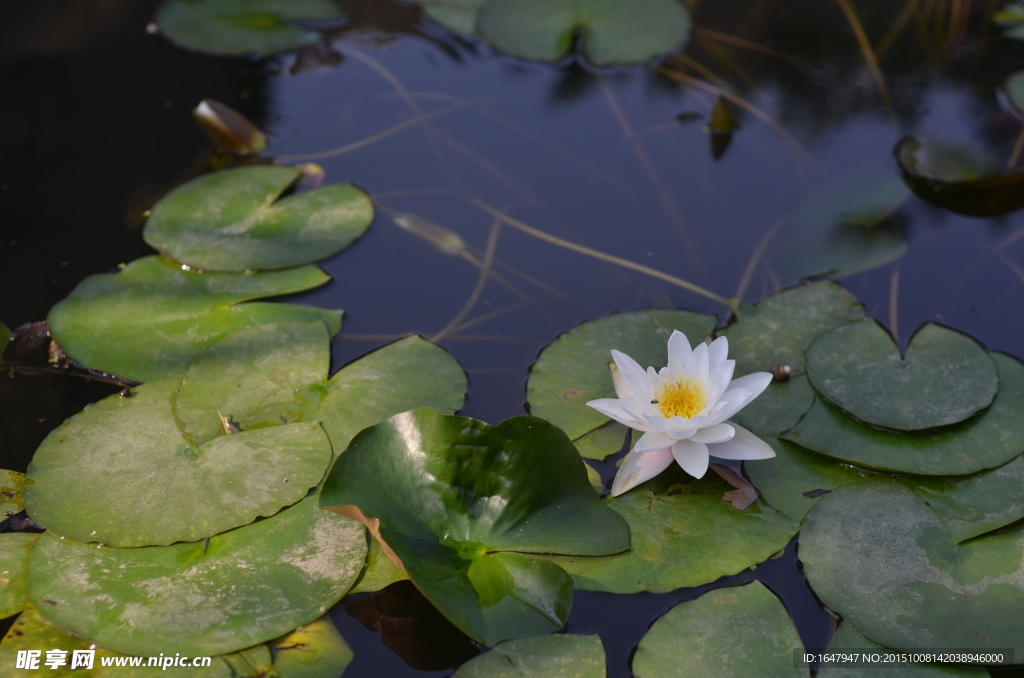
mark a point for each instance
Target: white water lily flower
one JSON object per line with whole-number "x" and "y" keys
{"x": 682, "y": 411}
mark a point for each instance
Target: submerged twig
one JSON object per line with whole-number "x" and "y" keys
{"x": 894, "y": 301}
{"x": 481, "y": 282}
{"x": 755, "y": 258}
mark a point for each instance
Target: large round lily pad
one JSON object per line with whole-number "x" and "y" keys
{"x": 462, "y": 505}
{"x": 242, "y": 27}
{"x": 986, "y": 440}
{"x": 944, "y": 378}
{"x": 848, "y": 641}
{"x": 122, "y": 473}
{"x": 153, "y": 320}
{"x": 31, "y": 632}
{"x": 574, "y": 369}
{"x": 612, "y": 32}
{"x": 235, "y": 220}
{"x": 682, "y": 535}
{"x": 314, "y": 650}
{"x": 740, "y": 631}
{"x": 555, "y": 656}
{"x": 15, "y": 548}
{"x": 878, "y": 555}
{"x": 244, "y": 587}
{"x": 11, "y": 486}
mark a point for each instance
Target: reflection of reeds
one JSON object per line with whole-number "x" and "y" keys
{"x": 869, "y": 55}
{"x": 481, "y": 282}
{"x": 894, "y": 303}
{"x": 708, "y": 34}
{"x": 755, "y": 259}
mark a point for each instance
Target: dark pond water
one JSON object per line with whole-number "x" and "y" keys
{"x": 95, "y": 126}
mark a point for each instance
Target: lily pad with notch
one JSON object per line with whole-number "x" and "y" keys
{"x": 456, "y": 15}
{"x": 848, "y": 640}
{"x": 235, "y": 220}
{"x": 466, "y": 507}
{"x": 554, "y": 656}
{"x": 574, "y": 369}
{"x": 945, "y": 377}
{"x": 958, "y": 175}
{"x": 243, "y": 587}
{"x": 153, "y": 319}
{"x": 15, "y": 548}
{"x": 610, "y": 32}
{"x": 243, "y": 27}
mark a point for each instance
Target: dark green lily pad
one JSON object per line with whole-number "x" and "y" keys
{"x": 739, "y": 631}
{"x": 602, "y": 442}
{"x": 944, "y": 378}
{"x": 455, "y": 15}
{"x": 556, "y": 656}
{"x": 235, "y": 220}
{"x": 11, "y": 486}
{"x": 245, "y": 587}
{"x": 15, "y": 548}
{"x": 682, "y": 535}
{"x": 250, "y": 371}
{"x": 153, "y": 320}
{"x": 462, "y": 504}
{"x": 972, "y": 505}
{"x": 958, "y": 175}
{"x": 835, "y": 231}
{"x": 122, "y": 473}
{"x": 1013, "y": 90}
{"x": 574, "y": 369}
{"x": 314, "y": 650}
{"x": 847, "y": 639}
{"x": 612, "y": 32}
{"x": 794, "y": 479}
{"x": 778, "y": 409}
{"x": 242, "y": 27}
{"x": 877, "y": 554}
{"x": 1011, "y": 17}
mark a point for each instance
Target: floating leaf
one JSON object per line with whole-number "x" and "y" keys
{"x": 944, "y": 378}
{"x": 1011, "y": 17}
{"x": 611, "y": 32}
{"x": 236, "y": 220}
{"x": 848, "y": 640}
{"x": 252, "y": 662}
{"x": 691, "y": 638}
{"x": 1013, "y": 91}
{"x": 972, "y": 505}
{"x": 957, "y": 175}
{"x": 314, "y": 650}
{"x": 877, "y": 554}
{"x": 153, "y": 320}
{"x": 11, "y": 487}
{"x": 834, "y": 233}
{"x": 31, "y": 632}
{"x": 986, "y": 440}
{"x": 122, "y": 473}
{"x": 794, "y": 479}
{"x": 574, "y": 369}
{"x": 461, "y": 504}
{"x": 455, "y": 15}
{"x": 242, "y": 27}
{"x": 244, "y": 587}
{"x": 379, "y": 573}
{"x": 681, "y": 535}
{"x": 15, "y": 548}
{"x": 602, "y": 442}
{"x": 778, "y": 408}
{"x": 595, "y": 479}
{"x": 228, "y": 129}
{"x": 556, "y": 656}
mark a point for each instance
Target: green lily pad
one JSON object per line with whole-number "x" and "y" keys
{"x": 794, "y": 479}
{"x": 242, "y": 27}
{"x": 681, "y": 535}
{"x": 462, "y": 504}
{"x": 574, "y": 369}
{"x": 122, "y": 473}
{"x": 602, "y": 442}
{"x": 972, "y": 505}
{"x": 455, "y": 15}
{"x": 834, "y": 233}
{"x": 31, "y": 632}
{"x": 379, "y": 572}
{"x": 236, "y": 220}
{"x": 556, "y": 656}
{"x": 5, "y": 338}
{"x": 739, "y": 631}
{"x": 944, "y": 378}
{"x": 1011, "y": 17}
{"x": 778, "y": 408}
{"x": 878, "y": 555}
{"x": 595, "y": 479}
{"x": 612, "y": 32}
{"x": 11, "y": 487}
{"x": 1013, "y": 89}
{"x": 244, "y": 587}
{"x": 15, "y": 548}
{"x": 314, "y": 650}
{"x": 250, "y": 371}
{"x": 153, "y": 320}
{"x": 986, "y": 440}
{"x": 847, "y": 639}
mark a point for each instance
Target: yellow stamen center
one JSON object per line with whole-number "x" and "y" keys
{"x": 685, "y": 399}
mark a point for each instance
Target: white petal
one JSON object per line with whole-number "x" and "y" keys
{"x": 744, "y": 445}
{"x": 718, "y": 351}
{"x": 700, "y": 364}
{"x": 719, "y": 433}
{"x": 633, "y": 374}
{"x": 622, "y": 389}
{"x": 693, "y": 457}
{"x": 612, "y": 407}
{"x": 653, "y": 440}
{"x": 731, "y": 402}
{"x": 679, "y": 347}
{"x": 639, "y": 467}
{"x": 755, "y": 383}
{"x": 721, "y": 377}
